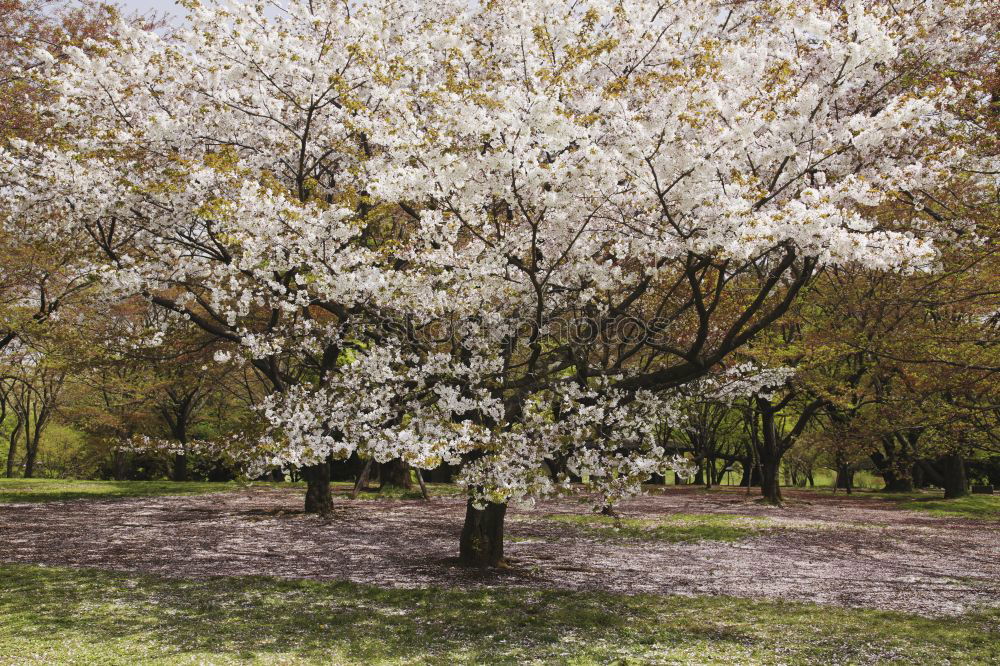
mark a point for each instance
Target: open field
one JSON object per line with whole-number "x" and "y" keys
{"x": 86, "y": 616}
{"x": 684, "y": 576}
{"x": 572, "y": 260}
{"x": 859, "y": 551}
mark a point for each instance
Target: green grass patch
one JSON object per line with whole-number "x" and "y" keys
{"x": 52, "y": 490}
{"x": 70, "y": 616}
{"x": 674, "y": 528}
{"x": 971, "y": 506}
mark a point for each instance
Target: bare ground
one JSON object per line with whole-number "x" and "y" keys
{"x": 848, "y": 552}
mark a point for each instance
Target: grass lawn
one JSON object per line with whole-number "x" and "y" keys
{"x": 970, "y": 506}
{"x": 50, "y": 490}
{"x": 675, "y": 528}
{"x": 933, "y": 502}
{"x": 74, "y": 616}
{"x": 929, "y": 501}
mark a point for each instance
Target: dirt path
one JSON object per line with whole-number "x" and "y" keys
{"x": 862, "y": 553}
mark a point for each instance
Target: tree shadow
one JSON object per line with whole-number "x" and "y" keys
{"x": 247, "y": 618}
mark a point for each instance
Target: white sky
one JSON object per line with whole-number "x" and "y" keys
{"x": 160, "y": 6}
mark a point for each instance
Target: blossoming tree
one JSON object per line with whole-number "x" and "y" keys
{"x": 628, "y": 192}
{"x": 501, "y": 235}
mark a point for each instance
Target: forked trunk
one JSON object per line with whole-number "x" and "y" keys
{"x": 481, "y": 543}
{"x": 318, "y": 498}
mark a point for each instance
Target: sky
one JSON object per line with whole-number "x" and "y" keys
{"x": 143, "y": 6}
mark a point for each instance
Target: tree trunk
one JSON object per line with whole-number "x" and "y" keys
{"x": 769, "y": 455}
{"x": 29, "y": 462}
{"x": 31, "y": 444}
{"x": 751, "y": 474}
{"x": 395, "y": 473}
{"x": 845, "y": 478}
{"x": 119, "y": 462}
{"x": 180, "y": 467}
{"x": 318, "y": 498}
{"x": 481, "y": 543}
{"x": 770, "y": 485}
{"x": 953, "y": 471}
{"x": 895, "y": 483}
{"x": 15, "y": 434}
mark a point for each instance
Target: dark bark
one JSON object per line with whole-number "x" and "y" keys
{"x": 32, "y": 440}
{"x": 178, "y": 411}
{"x": 15, "y": 434}
{"x": 770, "y": 485}
{"x": 895, "y": 462}
{"x": 845, "y": 478}
{"x": 897, "y": 484}
{"x": 954, "y": 477}
{"x": 180, "y": 467}
{"x": 442, "y": 474}
{"x": 318, "y": 497}
{"x": 362, "y": 480}
{"x": 481, "y": 543}
{"x": 119, "y": 465}
{"x": 895, "y": 480}
{"x": 769, "y": 455}
{"x": 931, "y": 473}
{"x": 772, "y": 444}
{"x": 751, "y": 473}
{"x": 714, "y": 475}
{"x": 29, "y": 462}
{"x": 423, "y": 486}
{"x": 395, "y": 473}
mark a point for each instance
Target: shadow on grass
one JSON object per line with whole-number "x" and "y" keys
{"x": 86, "y": 616}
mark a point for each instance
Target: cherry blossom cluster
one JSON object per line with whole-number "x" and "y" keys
{"x": 321, "y": 184}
